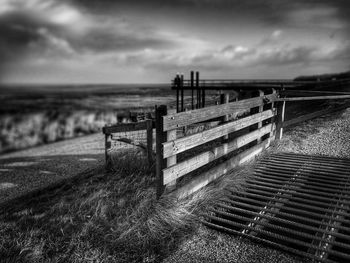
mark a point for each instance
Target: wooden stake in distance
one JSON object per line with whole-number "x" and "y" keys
{"x": 192, "y": 91}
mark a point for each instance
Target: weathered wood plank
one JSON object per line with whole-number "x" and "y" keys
{"x": 183, "y": 168}
{"x": 315, "y": 98}
{"x": 224, "y": 98}
{"x": 160, "y": 138}
{"x": 171, "y": 136}
{"x": 182, "y": 144}
{"x": 125, "y": 127}
{"x": 313, "y": 115}
{"x": 177, "y": 120}
{"x": 216, "y": 172}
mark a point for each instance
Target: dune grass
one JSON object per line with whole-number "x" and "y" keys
{"x": 111, "y": 217}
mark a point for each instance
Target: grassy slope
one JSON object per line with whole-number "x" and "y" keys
{"x": 110, "y": 217}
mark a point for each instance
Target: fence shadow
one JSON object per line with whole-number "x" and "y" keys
{"x": 23, "y": 178}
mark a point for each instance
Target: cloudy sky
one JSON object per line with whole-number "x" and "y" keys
{"x": 117, "y": 41}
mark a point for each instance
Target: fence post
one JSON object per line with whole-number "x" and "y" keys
{"x": 192, "y": 86}
{"x": 149, "y": 125}
{"x": 182, "y": 91}
{"x": 197, "y": 89}
{"x": 225, "y": 98}
{"x": 273, "y": 119}
{"x": 160, "y": 138}
{"x": 261, "y": 109}
{"x": 170, "y": 136}
{"x": 203, "y": 97}
{"x": 280, "y": 119}
{"x": 108, "y": 145}
{"x": 177, "y": 85}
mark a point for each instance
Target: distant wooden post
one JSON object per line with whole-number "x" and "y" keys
{"x": 149, "y": 124}
{"x": 177, "y": 84}
{"x": 203, "y": 97}
{"x": 192, "y": 91}
{"x": 197, "y": 88}
{"x": 182, "y": 91}
{"x": 160, "y": 139}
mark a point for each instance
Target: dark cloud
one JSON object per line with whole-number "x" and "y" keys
{"x": 17, "y": 31}
{"x": 100, "y": 40}
{"x": 270, "y": 11}
{"x": 21, "y": 35}
{"x": 24, "y": 33}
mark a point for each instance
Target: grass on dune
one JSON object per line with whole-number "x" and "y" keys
{"x": 110, "y": 217}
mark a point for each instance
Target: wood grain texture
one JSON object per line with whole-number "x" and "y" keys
{"x": 177, "y": 120}
{"x": 171, "y": 135}
{"x": 182, "y": 144}
{"x": 204, "y": 158}
{"x": 200, "y": 181}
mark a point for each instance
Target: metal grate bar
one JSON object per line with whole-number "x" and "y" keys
{"x": 329, "y": 183}
{"x": 299, "y": 203}
{"x": 286, "y": 214}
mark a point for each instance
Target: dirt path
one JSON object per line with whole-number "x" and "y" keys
{"x": 28, "y": 170}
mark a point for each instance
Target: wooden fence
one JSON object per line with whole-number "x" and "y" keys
{"x": 312, "y": 115}
{"x": 257, "y": 131}
{"x": 146, "y": 126}
{"x": 206, "y": 142}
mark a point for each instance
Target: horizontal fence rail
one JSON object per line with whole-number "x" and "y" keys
{"x": 242, "y": 83}
{"x": 202, "y": 159}
{"x": 315, "y": 98}
{"x": 313, "y": 115}
{"x": 177, "y": 120}
{"x": 189, "y": 142}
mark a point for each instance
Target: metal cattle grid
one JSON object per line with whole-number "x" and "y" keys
{"x": 299, "y": 203}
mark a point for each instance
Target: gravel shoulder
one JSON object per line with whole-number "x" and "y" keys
{"x": 24, "y": 171}
{"x": 328, "y": 135}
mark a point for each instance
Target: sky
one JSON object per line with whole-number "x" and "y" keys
{"x": 139, "y": 41}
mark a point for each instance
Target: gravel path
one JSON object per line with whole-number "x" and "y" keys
{"x": 327, "y": 135}
{"x": 28, "y": 170}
